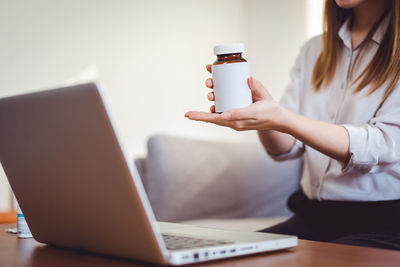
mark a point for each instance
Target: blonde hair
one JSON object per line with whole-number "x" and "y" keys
{"x": 384, "y": 66}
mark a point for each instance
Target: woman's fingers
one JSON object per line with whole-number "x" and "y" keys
{"x": 211, "y": 96}
{"x": 239, "y": 125}
{"x": 212, "y": 109}
{"x": 209, "y": 83}
{"x": 209, "y": 117}
{"x": 239, "y": 114}
{"x": 257, "y": 90}
{"x": 208, "y": 67}
{"x": 206, "y": 117}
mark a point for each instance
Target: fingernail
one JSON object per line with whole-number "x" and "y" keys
{"x": 226, "y": 116}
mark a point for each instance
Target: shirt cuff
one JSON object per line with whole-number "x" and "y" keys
{"x": 295, "y": 152}
{"x": 356, "y": 163}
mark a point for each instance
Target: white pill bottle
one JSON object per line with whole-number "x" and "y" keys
{"x": 22, "y": 227}
{"x": 230, "y": 73}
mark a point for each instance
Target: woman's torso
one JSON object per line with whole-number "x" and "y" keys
{"x": 324, "y": 177}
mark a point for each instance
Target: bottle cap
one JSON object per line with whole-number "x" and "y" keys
{"x": 228, "y": 49}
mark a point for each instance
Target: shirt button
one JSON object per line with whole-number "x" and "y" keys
{"x": 332, "y": 116}
{"x": 342, "y": 85}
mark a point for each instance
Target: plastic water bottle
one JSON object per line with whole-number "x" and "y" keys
{"x": 22, "y": 227}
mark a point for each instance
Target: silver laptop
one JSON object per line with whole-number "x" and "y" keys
{"x": 66, "y": 164}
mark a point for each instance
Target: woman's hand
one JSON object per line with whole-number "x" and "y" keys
{"x": 278, "y": 128}
{"x": 263, "y": 114}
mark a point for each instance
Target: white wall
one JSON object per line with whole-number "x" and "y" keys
{"x": 150, "y": 55}
{"x": 275, "y": 30}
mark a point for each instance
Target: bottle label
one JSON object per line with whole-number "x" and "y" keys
{"x": 231, "y": 89}
{"x": 22, "y": 227}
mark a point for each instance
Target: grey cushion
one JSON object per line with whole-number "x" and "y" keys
{"x": 140, "y": 164}
{"x": 191, "y": 179}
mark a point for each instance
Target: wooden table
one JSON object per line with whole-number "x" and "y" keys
{"x": 27, "y": 252}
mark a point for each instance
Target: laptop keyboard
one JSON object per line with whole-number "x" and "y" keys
{"x": 174, "y": 242}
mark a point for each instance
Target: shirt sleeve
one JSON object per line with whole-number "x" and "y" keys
{"x": 291, "y": 100}
{"x": 375, "y": 146}
{"x": 295, "y": 152}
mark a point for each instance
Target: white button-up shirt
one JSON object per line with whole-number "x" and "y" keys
{"x": 373, "y": 172}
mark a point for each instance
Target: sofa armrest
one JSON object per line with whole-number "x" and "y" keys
{"x": 192, "y": 179}
{"x": 140, "y": 164}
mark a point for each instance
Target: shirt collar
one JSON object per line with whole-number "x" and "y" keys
{"x": 345, "y": 33}
{"x": 380, "y": 32}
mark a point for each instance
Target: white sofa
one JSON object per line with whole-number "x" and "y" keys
{"x": 217, "y": 184}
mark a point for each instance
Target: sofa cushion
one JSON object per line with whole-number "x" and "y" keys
{"x": 140, "y": 164}
{"x": 191, "y": 179}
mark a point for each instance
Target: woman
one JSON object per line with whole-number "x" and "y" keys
{"x": 342, "y": 114}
